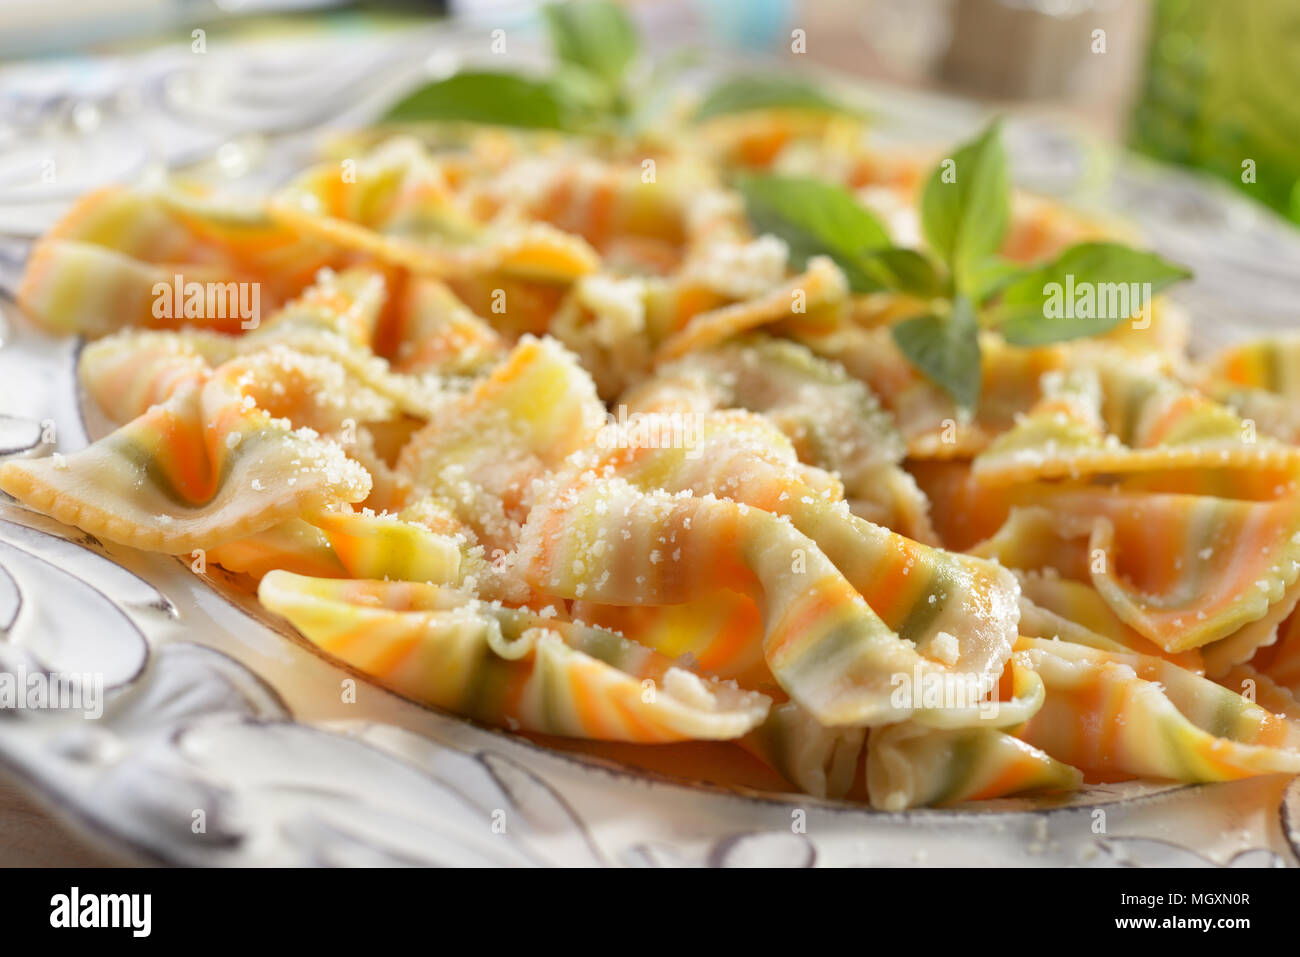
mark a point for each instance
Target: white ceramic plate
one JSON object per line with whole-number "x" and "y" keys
{"x": 226, "y": 740}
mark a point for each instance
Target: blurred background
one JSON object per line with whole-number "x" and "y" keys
{"x": 1212, "y": 85}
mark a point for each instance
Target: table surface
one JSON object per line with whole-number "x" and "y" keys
{"x": 30, "y": 837}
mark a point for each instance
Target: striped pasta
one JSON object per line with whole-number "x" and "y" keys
{"x": 524, "y": 434}
{"x": 509, "y": 666}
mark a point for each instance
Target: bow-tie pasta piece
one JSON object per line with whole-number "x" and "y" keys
{"x": 821, "y": 288}
{"x": 1280, "y": 661}
{"x": 971, "y": 755}
{"x": 344, "y": 307}
{"x": 294, "y": 545}
{"x": 833, "y": 420}
{"x": 1242, "y": 645}
{"x": 1253, "y": 685}
{"x": 929, "y": 420}
{"x": 338, "y": 317}
{"x": 1036, "y": 539}
{"x": 398, "y": 208}
{"x": 617, "y": 323}
{"x": 203, "y": 468}
{"x": 607, "y": 542}
{"x": 1261, "y": 381}
{"x": 1272, "y": 365}
{"x": 310, "y": 361}
{"x": 958, "y": 611}
{"x": 720, "y": 635}
{"x": 1056, "y": 607}
{"x": 433, "y": 331}
{"x": 507, "y": 666}
{"x": 164, "y": 258}
{"x": 606, "y": 321}
{"x": 1186, "y": 570}
{"x": 636, "y": 225}
{"x": 339, "y": 544}
{"x": 910, "y": 765}
{"x": 1124, "y": 716}
{"x": 129, "y": 371}
{"x": 387, "y": 546}
{"x": 818, "y": 760}
{"x": 1181, "y": 570}
{"x": 1113, "y": 414}
{"x": 311, "y": 391}
{"x": 126, "y": 291}
{"x": 482, "y": 452}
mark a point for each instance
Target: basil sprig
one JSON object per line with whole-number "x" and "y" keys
{"x": 595, "y": 44}
{"x": 590, "y": 89}
{"x": 965, "y": 214}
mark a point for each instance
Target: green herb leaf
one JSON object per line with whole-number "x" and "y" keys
{"x": 651, "y": 105}
{"x": 989, "y": 277}
{"x": 816, "y": 219}
{"x": 1086, "y": 291}
{"x": 740, "y": 94}
{"x": 496, "y": 99}
{"x": 906, "y": 271}
{"x": 585, "y": 96}
{"x": 594, "y": 35}
{"x": 946, "y": 349}
{"x": 966, "y": 206}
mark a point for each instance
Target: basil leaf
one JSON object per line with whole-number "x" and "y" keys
{"x": 655, "y": 93}
{"x": 1086, "y": 291}
{"x": 946, "y": 349}
{"x": 993, "y": 274}
{"x": 907, "y": 271}
{"x": 496, "y": 99}
{"x": 740, "y": 94}
{"x": 594, "y": 35}
{"x": 583, "y": 95}
{"x": 966, "y": 206}
{"x": 815, "y": 219}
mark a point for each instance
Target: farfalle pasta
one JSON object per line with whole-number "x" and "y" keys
{"x": 523, "y": 434}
